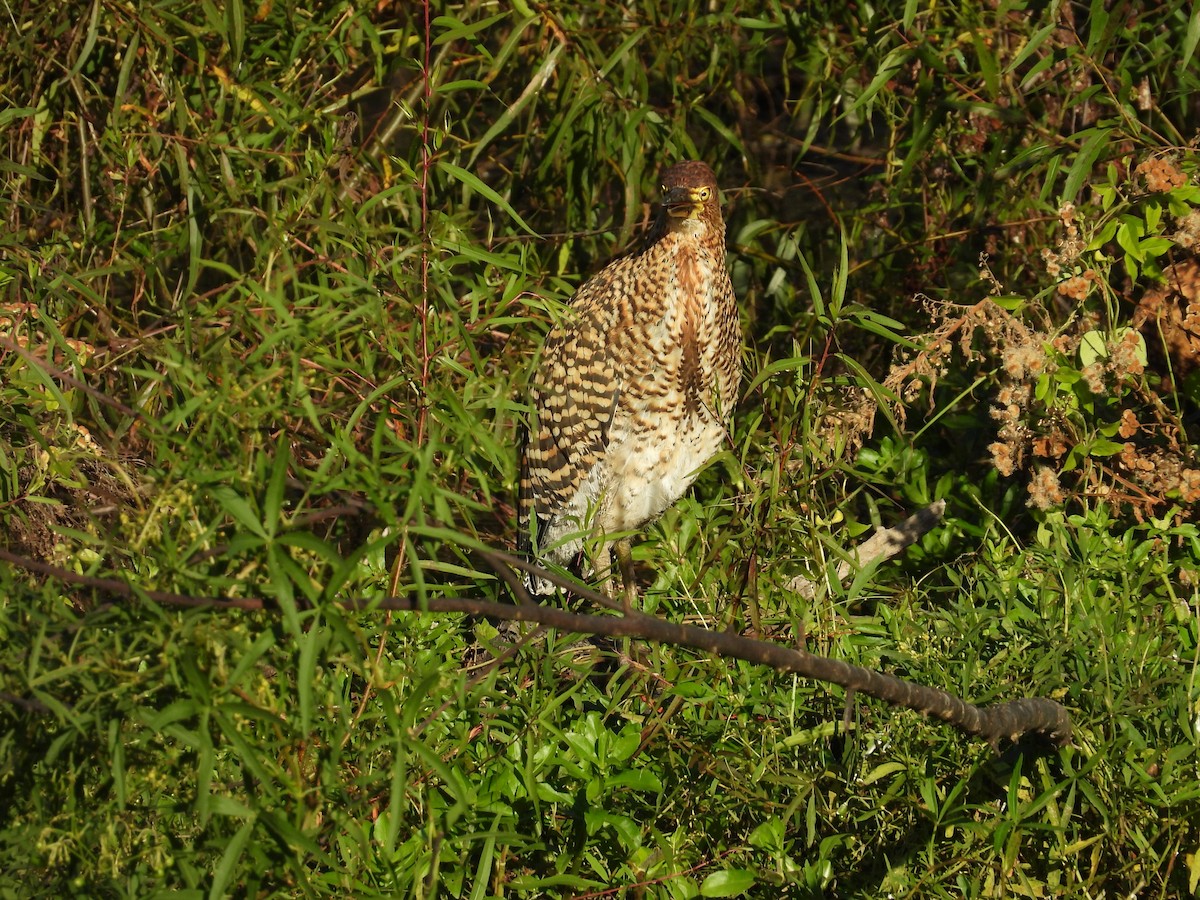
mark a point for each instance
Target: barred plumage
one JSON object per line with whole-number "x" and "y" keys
{"x": 636, "y": 385}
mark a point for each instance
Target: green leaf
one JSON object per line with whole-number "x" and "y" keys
{"x": 1092, "y": 346}
{"x": 635, "y": 780}
{"x": 1188, "y": 47}
{"x": 273, "y": 501}
{"x": 878, "y": 324}
{"x": 225, "y": 872}
{"x": 1096, "y": 141}
{"x": 475, "y": 183}
{"x": 456, "y": 30}
{"x": 729, "y": 883}
{"x": 813, "y": 735}
{"x": 1011, "y": 303}
{"x": 814, "y": 289}
{"x": 988, "y": 65}
{"x": 768, "y": 835}
{"x": 466, "y": 84}
{"x": 772, "y": 369}
{"x": 312, "y": 643}
{"x": 1152, "y": 212}
{"x": 897, "y": 59}
{"x": 239, "y": 510}
{"x": 89, "y": 41}
{"x": 12, "y": 113}
{"x": 235, "y": 28}
{"x": 1129, "y": 236}
{"x": 883, "y": 771}
{"x": 692, "y": 690}
{"x": 621, "y": 52}
{"x": 1105, "y": 234}
{"x": 1154, "y": 247}
{"x": 1032, "y": 45}
{"x": 1102, "y": 447}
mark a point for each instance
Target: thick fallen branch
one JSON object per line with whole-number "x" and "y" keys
{"x": 1012, "y": 720}
{"x": 884, "y": 544}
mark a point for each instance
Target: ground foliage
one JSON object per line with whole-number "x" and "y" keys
{"x": 273, "y": 278}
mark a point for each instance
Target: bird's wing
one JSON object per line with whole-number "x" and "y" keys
{"x": 587, "y": 361}
{"x": 575, "y": 396}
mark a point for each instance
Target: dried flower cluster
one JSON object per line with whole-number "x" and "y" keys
{"x": 1116, "y": 440}
{"x": 1161, "y": 175}
{"x": 917, "y": 372}
{"x": 1188, "y": 234}
{"x": 1069, "y": 247}
{"x": 1170, "y": 313}
{"x": 846, "y": 421}
{"x": 1044, "y": 489}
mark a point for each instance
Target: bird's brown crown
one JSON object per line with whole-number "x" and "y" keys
{"x": 690, "y": 174}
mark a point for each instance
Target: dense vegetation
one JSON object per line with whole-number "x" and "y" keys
{"x": 273, "y": 280}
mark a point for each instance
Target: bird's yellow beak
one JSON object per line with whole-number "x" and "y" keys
{"x": 684, "y": 202}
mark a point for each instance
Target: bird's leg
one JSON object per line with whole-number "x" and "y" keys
{"x": 629, "y": 583}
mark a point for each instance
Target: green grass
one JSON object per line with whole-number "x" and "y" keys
{"x": 271, "y": 289}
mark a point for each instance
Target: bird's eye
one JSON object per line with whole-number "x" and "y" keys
{"x": 704, "y": 193}
{"x": 663, "y": 188}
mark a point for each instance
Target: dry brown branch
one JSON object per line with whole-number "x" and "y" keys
{"x": 880, "y": 546}
{"x": 1012, "y": 720}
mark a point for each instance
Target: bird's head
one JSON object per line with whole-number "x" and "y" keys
{"x": 690, "y": 198}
